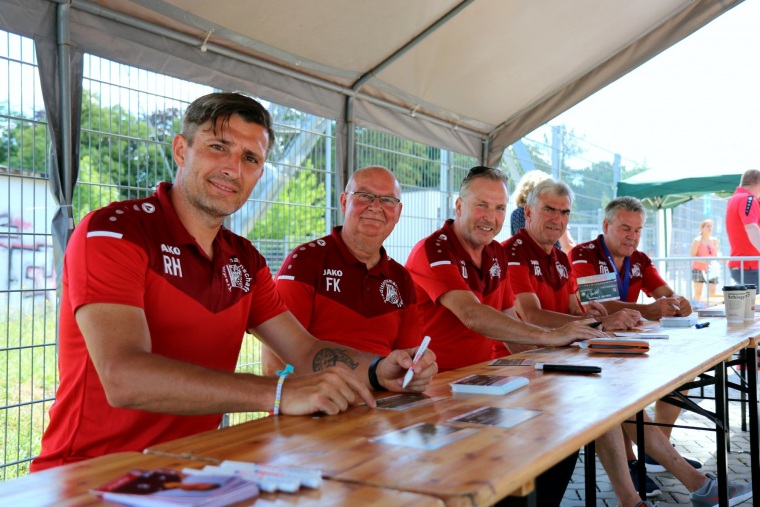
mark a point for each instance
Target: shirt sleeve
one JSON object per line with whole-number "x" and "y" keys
{"x": 104, "y": 269}
{"x": 749, "y": 212}
{"x": 267, "y": 302}
{"x": 652, "y": 280}
{"x": 520, "y": 279}
{"x": 298, "y": 297}
{"x": 435, "y": 280}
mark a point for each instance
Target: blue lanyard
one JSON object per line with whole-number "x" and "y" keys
{"x": 625, "y": 282}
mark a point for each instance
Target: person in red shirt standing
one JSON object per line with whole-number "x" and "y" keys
{"x": 743, "y": 227}
{"x": 544, "y": 285}
{"x": 157, "y": 296}
{"x": 343, "y": 287}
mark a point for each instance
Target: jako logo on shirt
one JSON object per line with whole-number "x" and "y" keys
{"x": 172, "y": 265}
{"x": 389, "y": 292}
{"x": 332, "y": 279}
{"x": 236, "y": 276}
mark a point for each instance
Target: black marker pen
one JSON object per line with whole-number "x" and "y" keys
{"x": 568, "y": 368}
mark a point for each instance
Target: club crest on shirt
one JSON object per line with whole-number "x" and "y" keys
{"x": 561, "y": 270}
{"x": 636, "y": 270}
{"x": 495, "y": 270}
{"x": 390, "y": 293}
{"x": 236, "y": 277}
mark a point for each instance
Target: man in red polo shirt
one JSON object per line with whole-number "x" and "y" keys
{"x": 743, "y": 227}
{"x": 464, "y": 297}
{"x": 344, "y": 287}
{"x": 544, "y": 285}
{"x": 615, "y": 251}
{"x": 157, "y": 296}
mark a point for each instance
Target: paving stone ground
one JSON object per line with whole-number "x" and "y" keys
{"x": 696, "y": 444}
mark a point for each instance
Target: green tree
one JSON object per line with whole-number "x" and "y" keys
{"x": 299, "y": 212}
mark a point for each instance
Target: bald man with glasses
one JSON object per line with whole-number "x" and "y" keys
{"x": 344, "y": 287}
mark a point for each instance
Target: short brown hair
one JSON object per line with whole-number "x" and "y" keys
{"x": 482, "y": 171}
{"x": 218, "y": 107}
{"x": 750, "y": 178}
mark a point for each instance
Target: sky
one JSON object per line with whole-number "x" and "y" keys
{"x": 693, "y": 108}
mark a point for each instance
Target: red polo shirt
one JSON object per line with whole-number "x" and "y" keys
{"x": 742, "y": 209}
{"x": 589, "y": 259}
{"x": 439, "y": 264}
{"x": 548, "y": 275}
{"x": 337, "y": 298}
{"x": 137, "y": 253}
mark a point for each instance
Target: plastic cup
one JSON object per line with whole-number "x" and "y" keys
{"x": 733, "y": 298}
{"x": 749, "y": 301}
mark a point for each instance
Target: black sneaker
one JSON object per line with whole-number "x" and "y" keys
{"x": 652, "y": 488}
{"x": 653, "y": 467}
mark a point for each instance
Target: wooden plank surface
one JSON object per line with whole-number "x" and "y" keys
{"x": 481, "y": 468}
{"x": 68, "y": 486}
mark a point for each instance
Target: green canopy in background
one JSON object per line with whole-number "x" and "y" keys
{"x": 662, "y": 190}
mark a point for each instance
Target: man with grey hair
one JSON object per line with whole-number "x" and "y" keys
{"x": 541, "y": 275}
{"x": 543, "y": 282}
{"x": 615, "y": 251}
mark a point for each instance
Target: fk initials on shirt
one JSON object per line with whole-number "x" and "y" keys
{"x": 332, "y": 284}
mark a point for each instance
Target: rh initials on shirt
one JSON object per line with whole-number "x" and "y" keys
{"x": 172, "y": 266}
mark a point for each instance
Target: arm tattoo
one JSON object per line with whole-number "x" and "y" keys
{"x": 330, "y": 357}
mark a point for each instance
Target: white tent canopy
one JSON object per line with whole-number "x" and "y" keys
{"x": 471, "y": 76}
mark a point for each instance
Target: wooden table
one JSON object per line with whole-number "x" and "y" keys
{"x": 68, "y": 486}
{"x": 495, "y": 462}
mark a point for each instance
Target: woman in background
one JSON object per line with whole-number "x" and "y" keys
{"x": 517, "y": 219}
{"x": 704, "y": 245}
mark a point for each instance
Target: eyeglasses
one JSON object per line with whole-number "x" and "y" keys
{"x": 554, "y": 212}
{"x": 367, "y": 198}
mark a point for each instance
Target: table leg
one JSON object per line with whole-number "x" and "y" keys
{"x": 589, "y": 468}
{"x": 750, "y": 370}
{"x": 721, "y": 433}
{"x": 641, "y": 449}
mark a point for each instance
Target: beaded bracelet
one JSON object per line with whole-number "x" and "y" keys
{"x": 372, "y": 374}
{"x": 278, "y": 394}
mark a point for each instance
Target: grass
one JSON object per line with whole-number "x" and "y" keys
{"x": 29, "y": 378}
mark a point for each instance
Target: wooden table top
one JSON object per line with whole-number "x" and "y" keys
{"x": 69, "y": 485}
{"x": 494, "y": 462}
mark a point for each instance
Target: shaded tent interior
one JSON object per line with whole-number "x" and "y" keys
{"x": 469, "y": 76}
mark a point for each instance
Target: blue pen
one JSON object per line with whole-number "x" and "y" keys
{"x": 700, "y": 326}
